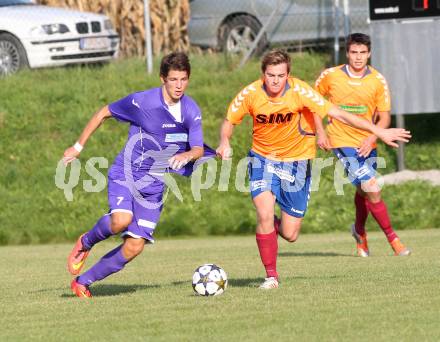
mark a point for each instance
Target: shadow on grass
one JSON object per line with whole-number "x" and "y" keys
{"x": 180, "y": 282}
{"x": 313, "y": 254}
{"x": 248, "y": 282}
{"x": 114, "y": 290}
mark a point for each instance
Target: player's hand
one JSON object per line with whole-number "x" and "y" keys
{"x": 367, "y": 146}
{"x": 391, "y": 135}
{"x": 323, "y": 142}
{"x": 70, "y": 155}
{"x": 178, "y": 161}
{"x": 224, "y": 151}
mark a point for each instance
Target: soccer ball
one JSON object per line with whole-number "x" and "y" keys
{"x": 209, "y": 280}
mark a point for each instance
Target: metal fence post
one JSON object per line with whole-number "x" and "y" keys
{"x": 257, "y": 38}
{"x": 347, "y": 22}
{"x": 148, "y": 45}
{"x": 400, "y": 123}
{"x": 336, "y": 23}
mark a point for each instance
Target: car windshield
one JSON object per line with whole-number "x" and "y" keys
{"x": 16, "y": 2}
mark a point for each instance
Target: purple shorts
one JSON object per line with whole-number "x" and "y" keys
{"x": 145, "y": 205}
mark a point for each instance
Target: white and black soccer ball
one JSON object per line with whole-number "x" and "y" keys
{"x": 209, "y": 280}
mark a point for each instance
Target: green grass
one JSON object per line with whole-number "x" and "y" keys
{"x": 42, "y": 112}
{"x": 326, "y": 293}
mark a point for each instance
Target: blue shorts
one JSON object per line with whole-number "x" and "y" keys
{"x": 288, "y": 181}
{"x": 358, "y": 169}
{"x": 145, "y": 205}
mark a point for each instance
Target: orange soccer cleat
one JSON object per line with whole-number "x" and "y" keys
{"x": 77, "y": 257}
{"x": 80, "y": 290}
{"x": 399, "y": 248}
{"x": 361, "y": 243}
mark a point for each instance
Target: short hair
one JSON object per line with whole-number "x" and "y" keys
{"x": 175, "y": 61}
{"x": 358, "y": 38}
{"x": 275, "y": 57}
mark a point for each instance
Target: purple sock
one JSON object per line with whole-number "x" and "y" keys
{"x": 99, "y": 232}
{"x": 110, "y": 263}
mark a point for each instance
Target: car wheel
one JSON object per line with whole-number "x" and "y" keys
{"x": 238, "y": 34}
{"x": 12, "y": 55}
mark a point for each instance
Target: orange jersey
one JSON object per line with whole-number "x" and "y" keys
{"x": 360, "y": 96}
{"x": 283, "y": 127}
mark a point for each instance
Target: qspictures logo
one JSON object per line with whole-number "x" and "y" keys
{"x": 208, "y": 173}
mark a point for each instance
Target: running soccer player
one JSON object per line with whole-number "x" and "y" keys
{"x": 165, "y": 135}
{"x": 362, "y": 91}
{"x": 283, "y": 146}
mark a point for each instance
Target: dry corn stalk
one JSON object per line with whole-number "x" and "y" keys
{"x": 169, "y": 20}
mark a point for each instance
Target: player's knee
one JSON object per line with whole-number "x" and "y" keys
{"x": 119, "y": 222}
{"x": 133, "y": 247}
{"x": 370, "y": 187}
{"x": 291, "y": 234}
{"x": 292, "y": 237}
{"x": 374, "y": 197}
{"x": 266, "y": 219}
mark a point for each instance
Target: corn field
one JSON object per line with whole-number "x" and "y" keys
{"x": 169, "y": 19}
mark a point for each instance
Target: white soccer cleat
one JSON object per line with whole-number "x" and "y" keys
{"x": 269, "y": 283}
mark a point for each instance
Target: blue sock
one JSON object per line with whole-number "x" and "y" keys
{"x": 110, "y": 263}
{"x": 99, "y": 232}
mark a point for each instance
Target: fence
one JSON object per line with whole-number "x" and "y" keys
{"x": 229, "y": 25}
{"x": 232, "y": 26}
{"x": 235, "y": 26}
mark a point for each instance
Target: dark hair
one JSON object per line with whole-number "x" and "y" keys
{"x": 275, "y": 57}
{"x": 174, "y": 61}
{"x": 358, "y": 38}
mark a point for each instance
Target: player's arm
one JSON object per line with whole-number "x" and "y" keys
{"x": 322, "y": 138}
{"x": 322, "y": 87}
{"x": 388, "y": 136}
{"x": 195, "y": 141}
{"x": 224, "y": 148}
{"x": 97, "y": 119}
{"x": 384, "y": 120}
{"x": 238, "y": 108}
{"x": 180, "y": 160}
{"x": 194, "y": 153}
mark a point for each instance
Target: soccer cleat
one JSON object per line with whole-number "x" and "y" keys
{"x": 399, "y": 248}
{"x": 80, "y": 290}
{"x": 77, "y": 257}
{"x": 361, "y": 243}
{"x": 269, "y": 283}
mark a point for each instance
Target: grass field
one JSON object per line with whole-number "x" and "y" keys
{"x": 326, "y": 293}
{"x": 42, "y": 112}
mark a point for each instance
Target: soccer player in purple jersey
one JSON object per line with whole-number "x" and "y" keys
{"x": 165, "y": 135}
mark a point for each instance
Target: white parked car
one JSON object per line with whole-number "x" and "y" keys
{"x": 40, "y": 36}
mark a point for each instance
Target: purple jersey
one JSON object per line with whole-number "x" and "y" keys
{"x": 154, "y": 135}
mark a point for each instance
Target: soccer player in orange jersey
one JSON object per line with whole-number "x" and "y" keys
{"x": 362, "y": 91}
{"x": 283, "y": 145}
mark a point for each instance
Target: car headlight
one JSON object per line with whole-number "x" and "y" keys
{"x": 55, "y": 28}
{"x": 108, "y": 24}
